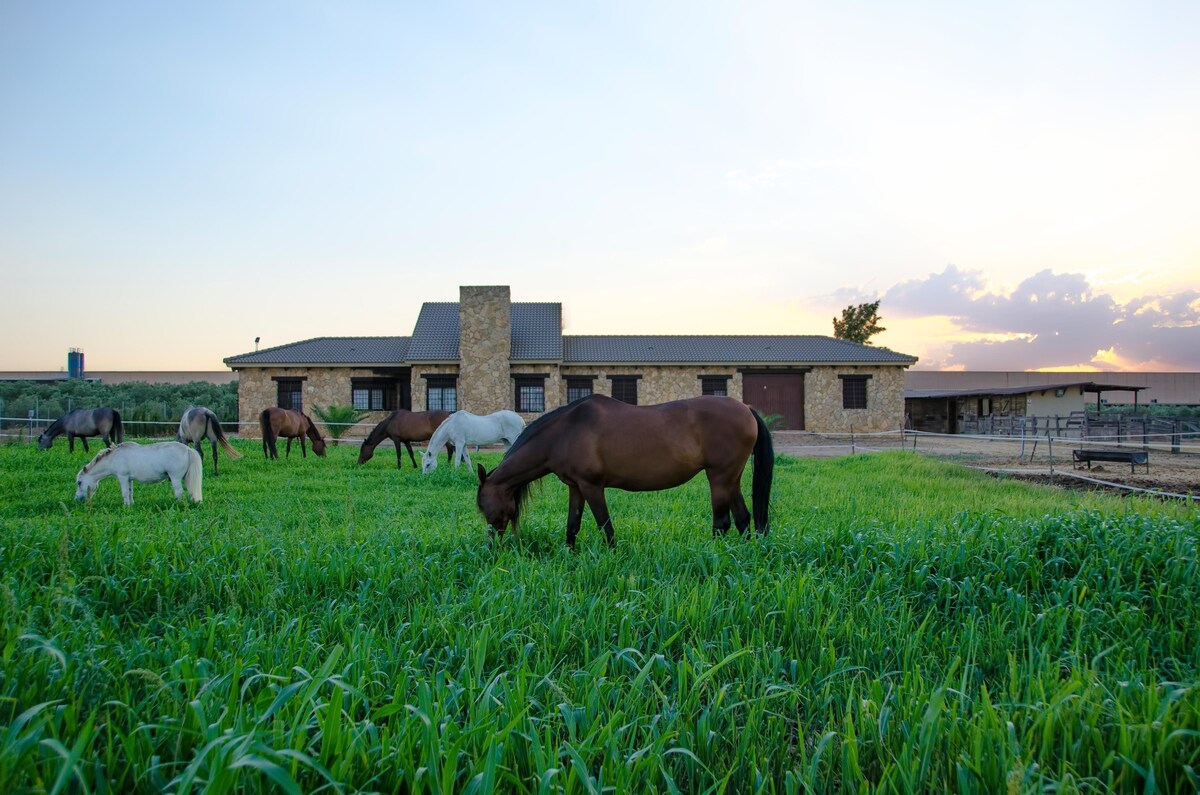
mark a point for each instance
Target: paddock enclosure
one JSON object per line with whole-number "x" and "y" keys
{"x": 908, "y": 624}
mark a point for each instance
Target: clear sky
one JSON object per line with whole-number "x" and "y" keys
{"x": 1019, "y": 183}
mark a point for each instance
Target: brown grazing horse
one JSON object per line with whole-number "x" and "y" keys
{"x": 289, "y": 424}
{"x": 82, "y": 423}
{"x": 404, "y": 427}
{"x": 598, "y": 443}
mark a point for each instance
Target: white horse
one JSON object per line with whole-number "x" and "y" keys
{"x": 145, "y": 463}
{"x": 463, "y": 428}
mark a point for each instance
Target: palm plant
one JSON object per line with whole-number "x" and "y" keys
{"x": 338, "y": 419}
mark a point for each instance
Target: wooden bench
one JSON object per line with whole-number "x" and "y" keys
{"x": 1133, "y": 457}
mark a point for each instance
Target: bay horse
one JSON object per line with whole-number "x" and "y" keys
{"x": 145, "y": 463}
{"x": 598, "y": 443}
{"x": 404, "y": 427}
{"x": 199, "y": 423}
{"x": 463, "y": 428}
{"x": 82, "y": 423}
{"x": 289, "y": 424}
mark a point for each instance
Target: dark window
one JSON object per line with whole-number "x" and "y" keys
{"x": 531, "y": 394}
{"x": 854, "y": 391}
{"x": 578, "y": 389}
{"x": 291, "y": 393}
{"x": 624, "y": 388}
{"x": 441, "y": 393}
{"x": 714, "y": 385}
{"x": 373, "y": 394}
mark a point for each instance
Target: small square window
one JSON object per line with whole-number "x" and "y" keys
{"x": 291, "y": 393}
{"x": 578, "y": 389}
{"x": 854, "y": 391}
{"x": 624, "y": 389}
{"x": 531, "y": 394}
{"x": 441, "y": 393}
{"x": 714, "y": 385}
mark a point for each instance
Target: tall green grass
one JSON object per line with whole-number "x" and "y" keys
{"x": 907, "y": 626}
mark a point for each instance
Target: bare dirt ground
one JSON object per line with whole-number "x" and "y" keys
{"x": 1177, "y": 473}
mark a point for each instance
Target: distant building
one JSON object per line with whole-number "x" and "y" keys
{"x": 485, "y": 353}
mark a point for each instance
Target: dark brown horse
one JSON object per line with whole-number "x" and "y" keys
{"x": 598, "y": 443}
{"x": 289, "y": 424}
{"x": 404, "y": 427}
{"x": 82, "y": 423}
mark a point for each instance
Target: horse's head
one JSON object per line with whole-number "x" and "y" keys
{"x": 497, "y": 504}
{"x": 44, "y": 441}
{"x": 428, "y": 461}
{"x": 319, "y": 447}
{"x": 85, "y": 485}
{"x": 365, "y": 453}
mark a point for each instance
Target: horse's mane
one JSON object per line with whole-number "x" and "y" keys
{"x": 379, "y": 431}
{"x": 535, "y": 429}
{"x": 538, "y": 426}
{"x": 102, "y": 455}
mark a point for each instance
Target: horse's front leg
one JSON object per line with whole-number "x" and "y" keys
{"x": 303, "y": 448}
{"x": 464, "y": 455}
{"x": 594, "y": 495}
{"x": 126, "y": 489}
{"x": 450, "y": 452}
{"x": 574, "y": 513}
{"x": 288, "y": 453}
{"x": 85, "y": 444}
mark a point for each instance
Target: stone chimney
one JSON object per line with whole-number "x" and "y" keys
{"x": 484, "y": 344}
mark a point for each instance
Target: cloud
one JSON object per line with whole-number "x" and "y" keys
{"x": 1053, "y": 320}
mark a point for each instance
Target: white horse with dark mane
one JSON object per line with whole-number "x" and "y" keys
{"x": 145, "y": 463}
{"x": 463, "y": 428}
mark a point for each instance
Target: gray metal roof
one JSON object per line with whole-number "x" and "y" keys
{"x": 330, "y": 350}
{"x": 805, "y": 349}
{"x": 1029, "y": 389}
{"x": 536, "y": 332}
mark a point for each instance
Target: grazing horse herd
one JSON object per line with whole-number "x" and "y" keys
{"x": 590, "y": 445}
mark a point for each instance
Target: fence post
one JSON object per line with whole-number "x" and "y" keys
{"x": 852, "y": 440}
{"x": 1175, "y": 437}
{"x": 1050, "y": 444}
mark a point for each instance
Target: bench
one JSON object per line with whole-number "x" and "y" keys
{"x": 1132, "y": 457}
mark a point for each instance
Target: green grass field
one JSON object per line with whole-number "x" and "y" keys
{"x": 907, "y": 626}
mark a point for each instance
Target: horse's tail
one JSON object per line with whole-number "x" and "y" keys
{"x": 268, "y": 433}
{"x": 764, "y": 473}
{"x": 212, "y": 422}
{"x": 118, "y": 430}
{"x": 193, "y": 478}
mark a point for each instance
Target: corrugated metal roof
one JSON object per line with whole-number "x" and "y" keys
{"x": 536, "y": 332}
{"x": 1029, "y": 389}
{"x": 330, "y": 350}
{"x": 801, "y": 349}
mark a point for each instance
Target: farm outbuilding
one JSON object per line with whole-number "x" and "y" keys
{"x": 988, "y": 410}
{"x": 485, "y": 352}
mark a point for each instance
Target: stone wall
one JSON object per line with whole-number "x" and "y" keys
{"x": 823, "y": 410}
{"x": 484, "y": 347}
{"x": 323, "y": 387}
{"x": 656, "y": 385}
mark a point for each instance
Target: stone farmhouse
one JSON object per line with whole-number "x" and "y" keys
{"x": 486, "y": 353}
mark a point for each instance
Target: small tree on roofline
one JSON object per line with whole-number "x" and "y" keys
{"x": 859, "y": 323}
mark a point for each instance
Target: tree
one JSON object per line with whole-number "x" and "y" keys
{"x": 858, "y": 323}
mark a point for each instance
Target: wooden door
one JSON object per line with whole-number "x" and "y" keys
{"x": 777, "y": 393}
